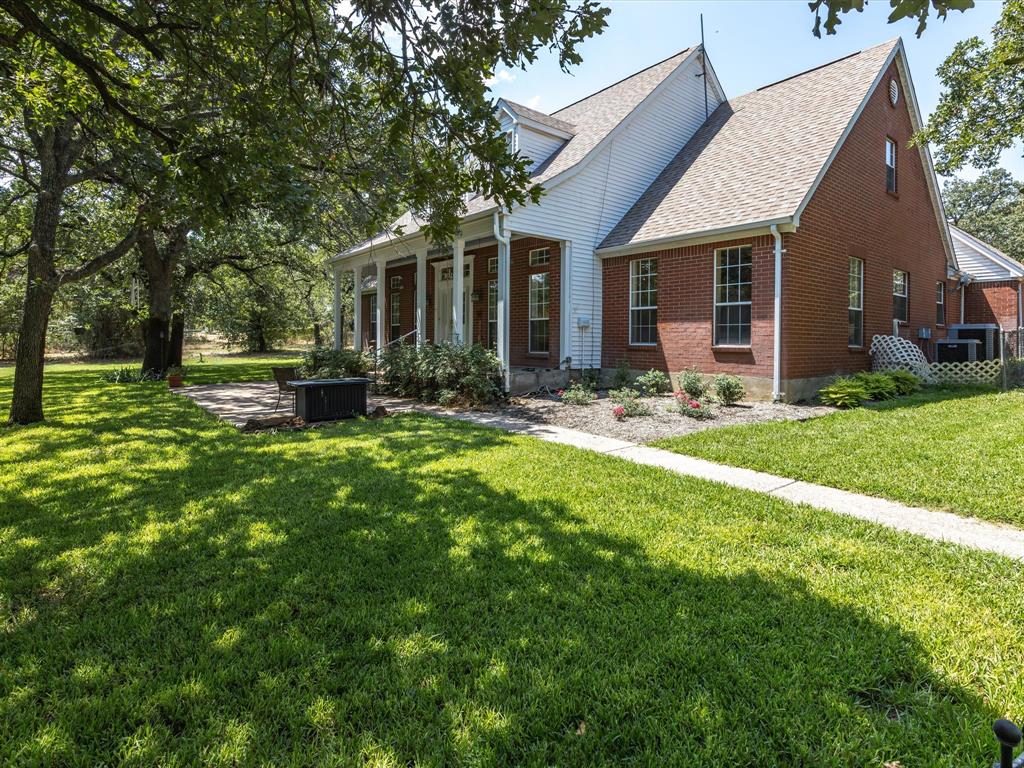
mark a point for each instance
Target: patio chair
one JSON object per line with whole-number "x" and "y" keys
{"x": 282, "y": 376}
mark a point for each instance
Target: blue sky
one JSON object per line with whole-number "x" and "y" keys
{"x": 750, "y": 44}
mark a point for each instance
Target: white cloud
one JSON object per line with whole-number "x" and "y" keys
{"x": 501, "y": 76}
{"x": 534, "y": 102}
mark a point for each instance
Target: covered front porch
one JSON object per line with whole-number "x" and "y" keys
{"x": 503, "y": 290}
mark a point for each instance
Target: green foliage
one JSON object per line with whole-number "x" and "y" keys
{"x": 978, "y": 115}
{"x": 879, "y": 385}
{"x": 844, "y": 392}
{"x": 692, "y": 408}
{"x": 325, "y": 363}
{"x": 654, "y": 382}
{"x": 901, "y": 9}
{"x": 991, "y": 208}
{"x": 127, "y": 374}
{"x": 906, "y": 383}
{"x": 629, "y": 401}
{"x": 728, "y": 389}
{"x": 578, "y": 393}
{"x": 693, "y": 383}
{"x": 460, "y": 375}
{"x": 622, "y": 377}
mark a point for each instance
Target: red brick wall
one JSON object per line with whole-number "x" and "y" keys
{"x": 519, "y": 296}
{"x": 852, "y": 214}
{"x": 685, "y": 312}
{"x": 991, "y": 303}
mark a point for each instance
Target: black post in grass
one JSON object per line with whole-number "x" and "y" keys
{"x": 1009, "y": 736}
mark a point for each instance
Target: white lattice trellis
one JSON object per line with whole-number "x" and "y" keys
{"x": 890, "y": 353}
{"x": 983, "y": 372}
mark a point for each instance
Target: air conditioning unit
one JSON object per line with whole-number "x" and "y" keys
{"x": 985, "y": 333}
{"x": 956, "y": 350}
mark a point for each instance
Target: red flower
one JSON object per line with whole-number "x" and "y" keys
{"x": 560, "y": 392}
{"x": 618, "y": 412}
{"x": 694, "y": 404}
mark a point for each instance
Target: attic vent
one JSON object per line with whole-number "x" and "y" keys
{"x": 894, "y": 91}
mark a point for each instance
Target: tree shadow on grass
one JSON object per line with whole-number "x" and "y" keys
{"x": 363, "y": 594}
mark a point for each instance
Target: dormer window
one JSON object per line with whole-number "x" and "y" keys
{"x": 890, "y": 165}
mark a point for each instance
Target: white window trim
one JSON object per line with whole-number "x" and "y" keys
{"x": 940, "y": 293}
{"x": 530, "y": 318}
{"x": 632, "y": 307}
{"x": 395, "y": 305}
{"x": 396, "y": 282}
{"x": 906, "y": 292}
{"x": 492, "y": 265}
{"x": 715, "y": 303}
{"x": 547, "y": 257}
{"x": 891, "y": 142}
{"x": 858, "y": 309}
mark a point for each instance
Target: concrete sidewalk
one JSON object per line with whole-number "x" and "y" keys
{"x": 940, "y": 526}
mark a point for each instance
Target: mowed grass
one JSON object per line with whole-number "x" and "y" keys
{"x": 416, "y": 591}
{"x": 956, "y": 450}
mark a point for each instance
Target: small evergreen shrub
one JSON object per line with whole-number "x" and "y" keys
{"x": 457, "y": 374}
{"x": 621, "y": 378}
{"x": 907, "y": 383}
{"x": 728, "y": 389}
{"x": 692, "y": 382}
{"x": 844, "y": 392}
{"x": 577, "y": 394}
{"x": 693, "y": 408}
{"x": 324, "y": 363}
{"x": 128, "y": 375}
{"x": 879, "y": 386}
{"x": 654, "y": 382}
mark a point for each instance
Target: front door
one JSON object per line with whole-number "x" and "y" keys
{"x": 443, "y": 301}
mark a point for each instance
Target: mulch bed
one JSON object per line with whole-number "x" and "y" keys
{"x": 664, "y": 421}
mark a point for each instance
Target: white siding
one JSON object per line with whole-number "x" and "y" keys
{"x": 536, "y": 145}
{"x": 585, "y": 207}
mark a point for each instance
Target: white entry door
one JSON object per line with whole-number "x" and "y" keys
{"x": 443, "y": 302}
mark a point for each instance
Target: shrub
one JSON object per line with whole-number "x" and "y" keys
{"x": 629, "y": 401}
{"x": 578, "y": 393}
{"x": 324, "y": 363}
{"x": 654, "y": 383}
{"x": 906, "y": 382}
{"x": 844, "y": 392}
{"x": 728, "y": 389}
{"x": 128, "y": 375}
{"x": 619, "y": 413}
{"x": 879, "y": 386}
{"x": 621, "y": 378}
{"x": 693, "y": 383}
{"x": 695, "y": 409}
{"x": 451, "y": 374}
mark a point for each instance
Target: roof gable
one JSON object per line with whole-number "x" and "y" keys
{"x": 983, "y": 262}
{"x": 759, "y": 156}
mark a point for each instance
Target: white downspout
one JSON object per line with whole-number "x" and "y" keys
{"x": 777, "y": 334}
{"x": 504, "y": 275}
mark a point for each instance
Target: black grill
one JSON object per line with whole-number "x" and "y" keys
{"x": 326, "y": 399}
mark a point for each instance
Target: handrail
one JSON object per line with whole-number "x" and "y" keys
{"x": 378, "y": 352}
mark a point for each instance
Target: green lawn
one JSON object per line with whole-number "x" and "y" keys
{"x": 415, "y": 591}
{"x": 959, "y": 450}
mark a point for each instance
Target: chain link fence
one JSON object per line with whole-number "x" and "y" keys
{"x": 1011, "y": 353}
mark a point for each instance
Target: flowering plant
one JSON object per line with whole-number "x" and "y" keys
{"x": 692, "y": 407}
{"x": 619, "y": 413}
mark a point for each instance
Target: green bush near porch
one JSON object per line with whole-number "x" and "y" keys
{"x": 325, "y": 363}
{"x": 451, "y": 374}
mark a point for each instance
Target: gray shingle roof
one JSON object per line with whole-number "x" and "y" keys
{"x": 756, "y": 157}
{"x": 591, "y": 118}
{"x": 540, "y": 117}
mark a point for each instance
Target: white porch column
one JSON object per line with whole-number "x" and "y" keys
{"x": 357, "y": 309}
{"x": 565, "y": 305}
{"x": 458, "y": 279}
{"x": 380, "y": 304}
{"x": 337, "y": 308}
{"x": 504, "y": 272}
{"x": 421, "y": 296}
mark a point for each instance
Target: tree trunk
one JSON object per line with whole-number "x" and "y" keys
{"x": 160, "y": 265}
{"x": 176, "y": 350}
{"x": 27, "y": 405}
{"x": 317, "y": 335}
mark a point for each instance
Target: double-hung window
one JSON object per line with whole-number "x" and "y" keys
{"x": 890, "y": 165}
{"x": 539, "y": 300}
{"x": 539, "y": 257}
{"x": 855, "y": 310}
{"x": 492, "y": 265}
{"x": 940, "y": 303}
{"x": 492, "y": 314}
{"x": 734, "y": 272}
{"x": 396, "y": 316}
{"x": 643, "y": 301}
{"x": 900, "y": 294}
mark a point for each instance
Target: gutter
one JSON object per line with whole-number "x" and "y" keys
{"x": 777, "y": 332}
